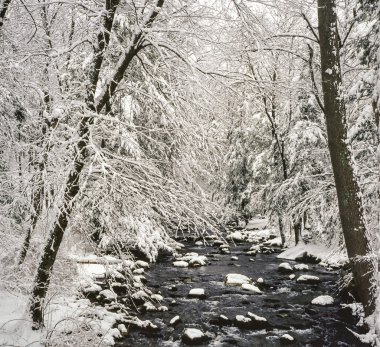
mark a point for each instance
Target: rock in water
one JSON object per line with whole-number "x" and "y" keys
{"x": 192, "y": 336}
{"x": 251, "y": 322}
{"x": 285, "y": 268}
{"x": 301, "y": 267}
{"x": 308, "y": 279}
{"x": 251, "y": 288}
{"x": 286, "y": 338}
{"x": 180, "y": 263}
{"x": 197, "y": 293}
{"x": 323, "y": 300}
{"x": 174, "y": 320}
{"x": 236, "y": 280}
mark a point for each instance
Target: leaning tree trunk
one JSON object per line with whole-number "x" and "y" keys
{"x": 51, "y": 248}
{"x": 349, "y": 197}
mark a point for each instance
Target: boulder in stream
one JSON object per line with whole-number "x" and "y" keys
{"x": 193, "y": 336}
{"x": 285, "y": 268}
{"x": 323, "y": 300}
{"x": 236, "y": 280}
{"x": 197, "y": 293}
{"x": 251, "y": 288}
{"x": 308, "y": 279}
{"x": 180, "y": 263}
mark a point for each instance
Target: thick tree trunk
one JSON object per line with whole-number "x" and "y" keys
{"x": 297, "y": 231}
{"x": 348, "y": 192}
{"x": 282, "y": 229}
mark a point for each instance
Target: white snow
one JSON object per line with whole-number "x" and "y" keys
{"x": 292, "y": 276}
{"x": 252, "y": 288}
{"x": 326, "y": 255}
{"x": 197, "y": 292}
{"x": 192, "y": 333}
{"x": 174, "y": 320}
{"x": 308, "y": 278}
{"x": 236, "y": 279}
{"x": 108, "y": 294}
{"x": 256, "y": 317}
{"x": 142, "y": 264}
{"x": 323, "y": 300}
{"x": 236, "y": 236}
{"x": 301, "y": 267}
{"x": 157, "y": 297}
{"x": 241, "y": 318}
{"x": 260, "y": 280}
{"x": 234, "y": 258}
{"x": 15, "y": 325}
{"x": 180, "y": 263}
{"x": 287, "y": 337}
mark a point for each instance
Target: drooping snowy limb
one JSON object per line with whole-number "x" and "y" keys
{"x": 72, "y": 184}
{"x": 351, "y": 212}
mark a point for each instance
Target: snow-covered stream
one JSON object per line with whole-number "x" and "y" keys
{"x": 224, "y": 313}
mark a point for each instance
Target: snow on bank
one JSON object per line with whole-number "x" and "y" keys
{"x": 15, "y": 325}
{"x": 62, "y": 315}
{"x": 317, "y": 251}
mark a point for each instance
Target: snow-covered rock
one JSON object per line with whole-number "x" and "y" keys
{"x": 236, "y": 236}
{"x": 139, "y": 271}
{"x": 292, "y": 276}
{"x": 301, "y": 267}
{"x": 253, "y": 321}
{"x": 286, "y": 338}
{"x": 314, "y": 253}
{"x": 197, "y": 293}
{"x": 236, "y": 280}
{"x": 180, "y": 263}
{"x": 123, "y": 330}
{"x": 108, "y": 294}
{"x": 323, "y": 300}
{"x": 260, "y": 280}
{"x": 256, "y": 317}
{"x": 242, "y": 319}
{"x": 308, "y": 279}
{"x": 199, "y": 243}
{"x": 251, "y": 288}
{"x": 142, "y": 264}
{"x": 234, "y": 258}
{"x": 139, "y": 279}
{"x": 149, "y": 307}
{"x": 157, "y": 297}
{"x": 174, "y": 320}
{"x": 200, "y": 260}
{"x": 140, "y": 295}
{"x": 285, "y": 268}
{"x": 193, "y": 336}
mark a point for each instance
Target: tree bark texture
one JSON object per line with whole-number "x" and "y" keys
{"x": 349, "y": 197}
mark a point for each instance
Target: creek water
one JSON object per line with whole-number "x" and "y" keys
{"x": 285, "y": 303}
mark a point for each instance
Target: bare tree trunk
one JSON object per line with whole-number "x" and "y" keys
{"x": 349, "y": 197}
{"x": 72, "y": 184}
{"x": 282, "y": 229}
{"x": 297, "y": 231}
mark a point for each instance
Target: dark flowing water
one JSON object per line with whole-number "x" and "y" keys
{"x": 285, "y": 304}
